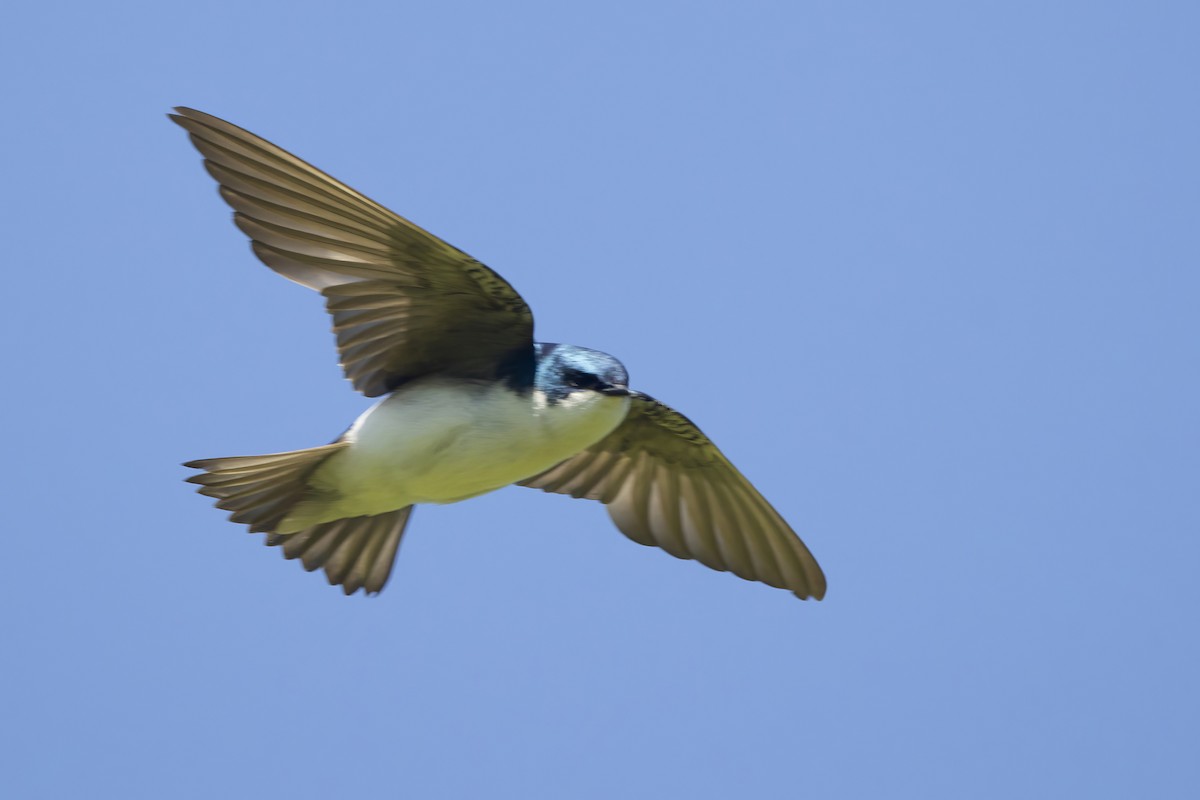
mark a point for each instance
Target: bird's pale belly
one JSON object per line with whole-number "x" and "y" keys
{"x": 438, "y": 441}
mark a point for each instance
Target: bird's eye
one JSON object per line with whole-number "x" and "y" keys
{"x": 579, "y": 379}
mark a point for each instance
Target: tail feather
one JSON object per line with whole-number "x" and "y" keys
{"x": 357, "y": 553}
{"x": 260, "y": 491}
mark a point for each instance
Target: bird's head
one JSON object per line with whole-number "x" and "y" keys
{"x": 565, "y": 370}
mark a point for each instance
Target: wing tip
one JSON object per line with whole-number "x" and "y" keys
{"x": 187, "y": 118}
{"x": 816, "y": 593}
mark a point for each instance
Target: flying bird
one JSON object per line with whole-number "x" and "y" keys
{"x": 470, "y": 402}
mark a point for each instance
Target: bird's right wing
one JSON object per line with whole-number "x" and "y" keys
{"x": 404, "y": 303}
{"x": 666, "y": 484}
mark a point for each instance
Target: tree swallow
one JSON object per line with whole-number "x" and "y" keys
{"x": 470, "y": 402}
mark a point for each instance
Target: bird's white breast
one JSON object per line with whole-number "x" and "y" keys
{"x": 438, "y": 441}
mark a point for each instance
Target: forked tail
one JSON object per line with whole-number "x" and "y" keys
{"x": 260, "y": 491}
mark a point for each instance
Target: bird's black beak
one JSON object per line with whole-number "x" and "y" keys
{"x": 613, "y": 391}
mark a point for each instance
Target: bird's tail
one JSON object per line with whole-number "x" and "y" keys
{"x": 261, "y": 490}
{"x": 356, "y": 552}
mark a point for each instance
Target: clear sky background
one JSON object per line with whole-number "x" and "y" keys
{"x": 928, "y": 272}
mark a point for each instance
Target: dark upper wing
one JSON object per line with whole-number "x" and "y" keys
{"x": 666, "y": 484}
{"x": 404, "y": 303}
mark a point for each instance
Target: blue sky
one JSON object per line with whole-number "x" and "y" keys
{"x": 927, "y": 272}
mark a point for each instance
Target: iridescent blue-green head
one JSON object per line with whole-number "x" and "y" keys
{"x": 566, "y": 369}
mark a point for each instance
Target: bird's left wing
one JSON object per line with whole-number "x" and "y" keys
{"x": 666, "y": 484}
{"x": 404, "y": 302}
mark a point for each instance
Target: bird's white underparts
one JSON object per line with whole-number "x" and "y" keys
{"x": 440, "y": 440}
